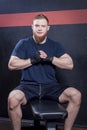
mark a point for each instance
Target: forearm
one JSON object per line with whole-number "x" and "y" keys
{"x": 18, "y": 64}
{"x": 63, "y": 62}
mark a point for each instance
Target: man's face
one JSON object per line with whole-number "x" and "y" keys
{"x": 40, "y": 28}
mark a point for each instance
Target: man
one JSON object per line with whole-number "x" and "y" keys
{"x": 37, "y": 57}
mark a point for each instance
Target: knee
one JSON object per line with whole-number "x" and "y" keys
{"x": 12, "y": 102}
{"x": 76, "y": 97}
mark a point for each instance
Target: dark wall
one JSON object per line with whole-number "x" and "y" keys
{"x": 72, "y": 36}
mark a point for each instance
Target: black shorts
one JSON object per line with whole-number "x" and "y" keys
{"x": 41, "y": 91}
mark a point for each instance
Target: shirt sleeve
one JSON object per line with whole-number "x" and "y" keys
{"x": 60, "y": 50}
{"x": 19, "y": 50}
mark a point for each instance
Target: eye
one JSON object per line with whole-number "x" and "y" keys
{"x": 43, "y": 26}
{"x": 36, "y": 25}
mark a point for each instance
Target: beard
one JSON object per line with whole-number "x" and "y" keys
{"x": 39, "y": 39}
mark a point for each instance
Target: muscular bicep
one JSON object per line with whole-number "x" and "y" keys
{"x": 12, "y": 61}
{"x": 66, "y": 57}
{"x": 65, "y": 61}
{"x": 16, "y": 63}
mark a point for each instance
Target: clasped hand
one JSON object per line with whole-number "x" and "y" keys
{"x": 40, "y": 57}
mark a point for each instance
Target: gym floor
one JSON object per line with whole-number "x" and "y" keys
{"x": 5, "y": 124}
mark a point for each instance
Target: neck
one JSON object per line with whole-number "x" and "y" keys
{"x": 39, "y": 40}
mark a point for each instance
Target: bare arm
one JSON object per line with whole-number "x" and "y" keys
{"x": 16, "y": 63}
{"x": 63, "y": 62}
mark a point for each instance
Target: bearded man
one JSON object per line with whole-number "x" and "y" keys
{"x": 37, "y": 57}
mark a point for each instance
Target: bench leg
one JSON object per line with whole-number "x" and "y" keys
{"x": 53, "y": 128}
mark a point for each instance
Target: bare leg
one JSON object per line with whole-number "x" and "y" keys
{"x": 15, "y": 100}
{"x": 73, "y": 96}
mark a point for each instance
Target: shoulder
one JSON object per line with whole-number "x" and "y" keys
{"x": 24, "y": 41}
{"x": 57, "y": 47}
{"x": 54, "y": 43}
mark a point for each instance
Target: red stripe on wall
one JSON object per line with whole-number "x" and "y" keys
{"x": 55, "y": 17}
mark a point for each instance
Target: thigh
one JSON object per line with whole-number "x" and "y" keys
{"x": 69, "y": 94}
{"x": 53, "y": 91}
{"x": 29, "y": 90}
{"x": 17, "y": 95}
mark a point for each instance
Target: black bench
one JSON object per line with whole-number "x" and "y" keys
{"x": 47, "y": 111}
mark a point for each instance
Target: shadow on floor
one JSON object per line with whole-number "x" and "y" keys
{"x": 5, "y": 124}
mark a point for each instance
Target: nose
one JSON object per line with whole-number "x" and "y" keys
{"x": 40, "y": 28}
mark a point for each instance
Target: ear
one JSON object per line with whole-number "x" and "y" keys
{"x": 48, "y": 28}
{"x": 32, "y": 26}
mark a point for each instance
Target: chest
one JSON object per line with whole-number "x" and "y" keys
{"x": 33, "y": 48}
